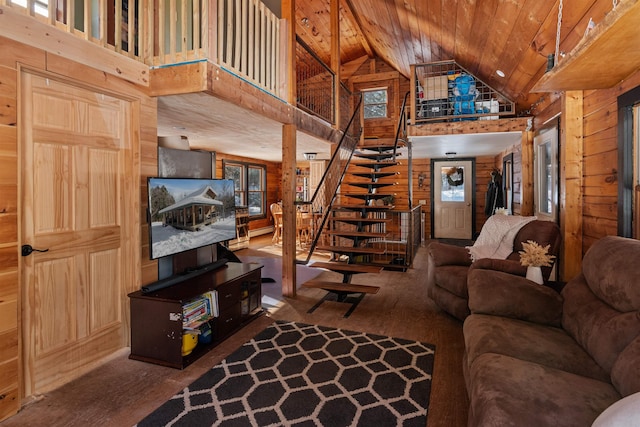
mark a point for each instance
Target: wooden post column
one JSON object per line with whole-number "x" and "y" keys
{"x": 570, "y": 199}
{"x": 288, "y": 210}
{"x": 526, "y": 191}
{"x": 289, "y": 149}
{"x": 335, "y": 60}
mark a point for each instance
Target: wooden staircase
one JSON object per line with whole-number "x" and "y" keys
{"x": 356, "y": 227}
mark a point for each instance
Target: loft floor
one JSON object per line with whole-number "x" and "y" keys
{"x": 123, "y": 391}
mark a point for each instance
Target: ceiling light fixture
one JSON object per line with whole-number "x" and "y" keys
{"x": 310, "y": 156}
{"x": 500, "y": 73}
{"x": 450, "y": 154}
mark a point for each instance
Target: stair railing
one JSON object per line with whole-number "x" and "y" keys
{"x": 402, "y": 124}
{"x": 326, "y": 192}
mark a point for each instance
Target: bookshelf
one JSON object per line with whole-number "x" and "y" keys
{"x": 302, "y": 185}
{"x": 234, "y": 292}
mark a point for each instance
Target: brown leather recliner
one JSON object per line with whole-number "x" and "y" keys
{"x": 448, "y": 266}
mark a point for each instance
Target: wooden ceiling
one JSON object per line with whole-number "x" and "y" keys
{"x": 482, "y": 36}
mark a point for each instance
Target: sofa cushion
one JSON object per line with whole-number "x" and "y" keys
{"x": 625, "y": 374}
{"x": 600, "y": 329}
{"x": 510, "y": 392}
{"x": 545, "y": 345}
{"x": 503, "y": 294}
{"x": 453, "y": 278}
{"x": 610, "y": 275}
{"x": 455, "y": 305}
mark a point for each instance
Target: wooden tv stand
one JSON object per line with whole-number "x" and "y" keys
{"x": 156, "y": 317}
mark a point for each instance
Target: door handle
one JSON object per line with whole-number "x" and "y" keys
{"x": 28, "y": 249}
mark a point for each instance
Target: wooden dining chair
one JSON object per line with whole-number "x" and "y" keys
{"x": 303, "y": 227}
{"x": 276, "y": 213}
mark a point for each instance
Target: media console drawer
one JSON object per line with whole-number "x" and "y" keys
{"x": 228, "y": 294}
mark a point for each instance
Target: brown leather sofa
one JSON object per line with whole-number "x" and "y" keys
{"x": 448, "y": 266}
{"x": 534, "y": 357}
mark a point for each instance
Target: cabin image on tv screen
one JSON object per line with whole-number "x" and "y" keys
{"x": 189, "y": 213}
{"x": 194, "y": 211}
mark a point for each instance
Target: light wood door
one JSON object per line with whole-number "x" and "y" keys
{"x": 77, "y": 184}
{"x": 452, "y": 199}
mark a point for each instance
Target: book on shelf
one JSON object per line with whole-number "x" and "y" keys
{"x": 200, "y": 310}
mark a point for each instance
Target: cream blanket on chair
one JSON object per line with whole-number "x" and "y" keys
{"x": 496, "y": 237}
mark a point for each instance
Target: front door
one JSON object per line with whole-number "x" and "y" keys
{"x": 78, "y": 202}
{"x": 452, "y": 199}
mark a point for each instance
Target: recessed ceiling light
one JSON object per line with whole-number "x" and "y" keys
{"x": 500, "y": 73}
{"x": 180, "y": 128}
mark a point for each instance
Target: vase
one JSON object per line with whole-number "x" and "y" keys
{"x": 535, "y": 274}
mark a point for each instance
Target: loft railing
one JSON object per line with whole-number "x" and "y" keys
{"x": 116, "y": 24}
{"x": 243, "y": 36}
{"x": 346, "y": 108}
{"x": 315, "y": 83}
{"x": 249, "y": 42}
{"x": 444, "y": 92}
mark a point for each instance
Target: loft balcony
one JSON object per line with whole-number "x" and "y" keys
{"x": 176, "y": 47}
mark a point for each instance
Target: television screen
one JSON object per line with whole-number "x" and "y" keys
{"x": 188, "y": 213}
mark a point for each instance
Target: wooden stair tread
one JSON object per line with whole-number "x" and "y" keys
{"x": 349, "y": 233}
{"x": 362, "y": 207}
{"x": 352, "y": 250}
{"x": 373, "y": 174}
{"x": 380, "y": 148}
{"x": 368, "y": 195}
{"x": 369, "y": 184}
{"x": 356, "y": 220}
{"x": 347, "y": 268}
{"x": 375, "y": 165}
{"x": 341, "y": 287}
{"x": 379, "y": 156}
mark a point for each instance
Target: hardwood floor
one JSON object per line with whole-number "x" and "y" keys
{"x": 123, "y": 391}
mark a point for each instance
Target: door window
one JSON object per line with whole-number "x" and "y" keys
{"x": 452, "y": 183}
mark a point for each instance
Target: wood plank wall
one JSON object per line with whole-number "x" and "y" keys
{"x": 9, "y": 239}
{"x": 14, "y": 56}
{"x": 600, "y": 168}
{"x": 600, "y": 157}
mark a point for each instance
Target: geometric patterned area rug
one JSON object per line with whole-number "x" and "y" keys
{"x": 294, "y": 374}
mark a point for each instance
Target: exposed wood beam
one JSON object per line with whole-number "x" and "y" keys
{"x": 518, "y": 124}
{"x": 348, "y": 69}
{"x": 361, "y": 35}
{"x": 185, "y": 78}
{"x": 32, "y": 32}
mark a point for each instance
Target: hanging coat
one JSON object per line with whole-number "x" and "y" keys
{"x": 494, "y": 198}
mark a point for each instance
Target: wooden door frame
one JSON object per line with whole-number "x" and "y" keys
{"x": 626, "y": 160}
{"x": 508, "y": 160}
{"x": 473, "y": 190}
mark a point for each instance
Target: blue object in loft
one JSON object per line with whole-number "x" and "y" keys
{"x": 464, "y": 95}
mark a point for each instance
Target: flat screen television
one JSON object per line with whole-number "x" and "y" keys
{"x": 188, "y": 213}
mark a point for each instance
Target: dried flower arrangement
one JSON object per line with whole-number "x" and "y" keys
{"x": 535, "y": 255}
